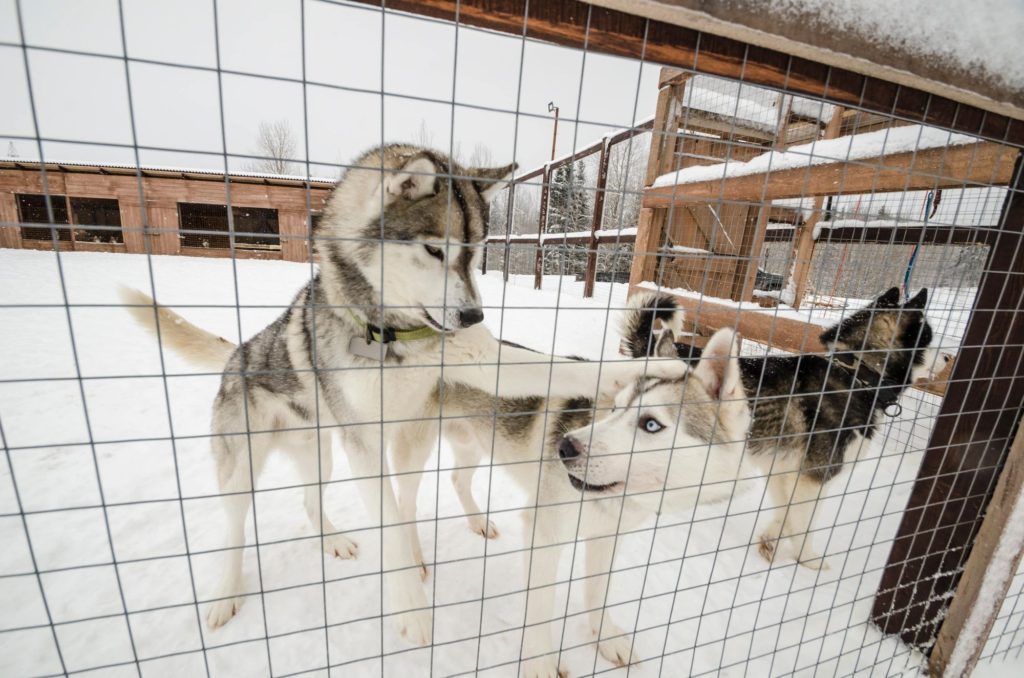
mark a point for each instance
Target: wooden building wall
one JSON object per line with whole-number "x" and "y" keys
{"x": 161, "y": 196}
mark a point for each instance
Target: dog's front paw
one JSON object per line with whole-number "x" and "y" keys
{"x": 222, "y": 611}
{"x": 543, "y": 667}
{"x": 617, "y": 647}
{"x": 483, "y": 527}
{"x": 340, "y": 546}
{"x": 767, "y": 546}
{"x": 415, "y": 627}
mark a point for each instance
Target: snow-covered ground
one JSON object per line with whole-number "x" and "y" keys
{"x": 92, "y": 481}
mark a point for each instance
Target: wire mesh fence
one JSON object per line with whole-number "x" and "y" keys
{"x": 805, "y": 502}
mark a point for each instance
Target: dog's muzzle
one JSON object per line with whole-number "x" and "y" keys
{"x": 470, "y": 315}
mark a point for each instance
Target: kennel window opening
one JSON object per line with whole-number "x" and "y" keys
{"x": 32, "y": 210}
{"x": 201, "y": 226}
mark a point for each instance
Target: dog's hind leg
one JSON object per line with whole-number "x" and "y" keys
{"x": 233, "y": 453}
{"x": 794, "y": 496}
{"x": 614, "y": 644}
{"x": 467, "y": 452}
{"x": 801, "y": 514}
{"x": 334, "y": 543}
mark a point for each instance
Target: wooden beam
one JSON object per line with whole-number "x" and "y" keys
{"x": 1009, "y": 492}
{"x": 803, "y": 253}
{"x": 899, "y": 235}
{"x": 760, "y": 326}
{"x": 647, "y": 246}
{"x": 750, "y": 253}
{"x": 926, "y": 169}
{"x": 969, "y": 445}
{"x": 605, "y": 31}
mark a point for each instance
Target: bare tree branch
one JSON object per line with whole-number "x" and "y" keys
{"x": 275, "y": 143}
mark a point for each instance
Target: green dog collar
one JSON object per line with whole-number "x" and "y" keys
{"x": 387, "y": 335}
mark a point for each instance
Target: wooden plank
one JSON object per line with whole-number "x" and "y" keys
{"x": 10, "y": 232}
{"x": 900, "y": 235}
{"x": 293, "y": 227}
{"x": 647, "y": 245}
{"x": 746, "y": 272}
{"x": 968, "y": 447}
{"x": 131, "y": 226}
{"x": 763, "y": 327}
{"x": 945, "y": 167}
{"x": 803, "y": 253}
{"x": 668, "y": 116}
{"x": 163, "y": 229}
{"x": 599, "y": 30}
{"x": 1009, "y": 491}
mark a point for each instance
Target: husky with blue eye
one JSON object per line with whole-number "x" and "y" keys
{"x": 360, "y": 350}
{"x": 660, "y": 444}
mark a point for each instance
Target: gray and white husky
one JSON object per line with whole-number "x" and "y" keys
{"x": 360, "y": 350}
{"x": 591, "y": 471}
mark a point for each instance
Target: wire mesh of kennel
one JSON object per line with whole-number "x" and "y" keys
{"x": 760, "y": 200}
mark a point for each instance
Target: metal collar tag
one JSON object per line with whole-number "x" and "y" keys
{"x": 364, "y": 348}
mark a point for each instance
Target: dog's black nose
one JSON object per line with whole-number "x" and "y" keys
{"x": 567, "y": 449}
{"x": 470, "y": 315}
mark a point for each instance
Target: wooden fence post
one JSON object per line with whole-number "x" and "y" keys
{"x": 538, "y": 262}
{"x": 969, "y": 445}
{"x": 509, "y": 224}
{"x": 803, "y": 251}
{"x": 595, "y": 224}
{"x": 960, "y": 643}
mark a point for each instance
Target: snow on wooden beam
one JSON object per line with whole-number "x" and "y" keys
{"x": 954, "y": 167}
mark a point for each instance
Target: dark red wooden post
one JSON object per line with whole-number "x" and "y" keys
{"x": 595, "y": 224}
{"x": 968, "y": 447}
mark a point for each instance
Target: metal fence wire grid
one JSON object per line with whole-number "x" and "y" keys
{"x": 716, "y": 352}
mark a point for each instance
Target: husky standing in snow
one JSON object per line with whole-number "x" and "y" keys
{"x": 659, "y": 444}
{"x": 812, "y": 413}
{"x": 393, "y": 310}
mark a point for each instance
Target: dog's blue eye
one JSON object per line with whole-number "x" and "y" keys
{"x": 434, "y": 252}
{"x": 650, "y": 424}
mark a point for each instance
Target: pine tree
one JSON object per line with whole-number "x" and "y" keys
{"x": 567, "y": 200}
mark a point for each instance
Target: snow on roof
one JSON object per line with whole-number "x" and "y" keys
{"x": 167, "y": 169}
{"x": 821, "y": 152}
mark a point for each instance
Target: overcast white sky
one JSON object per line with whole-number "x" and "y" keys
{"x": 85, "y": 98}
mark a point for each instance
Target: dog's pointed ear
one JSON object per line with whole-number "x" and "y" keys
{"x": 414, "y": 180}
{"x": 919, "y": 300}
{"x": 890, "y": 299}
{"x": 490, "y": 180}
{"x": 719, "y": 366}
{"x": 666, "y": 346}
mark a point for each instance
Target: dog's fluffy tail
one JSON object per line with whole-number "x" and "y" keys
{"x": 193, "y": 343}
{"x": 637, "y": 324}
